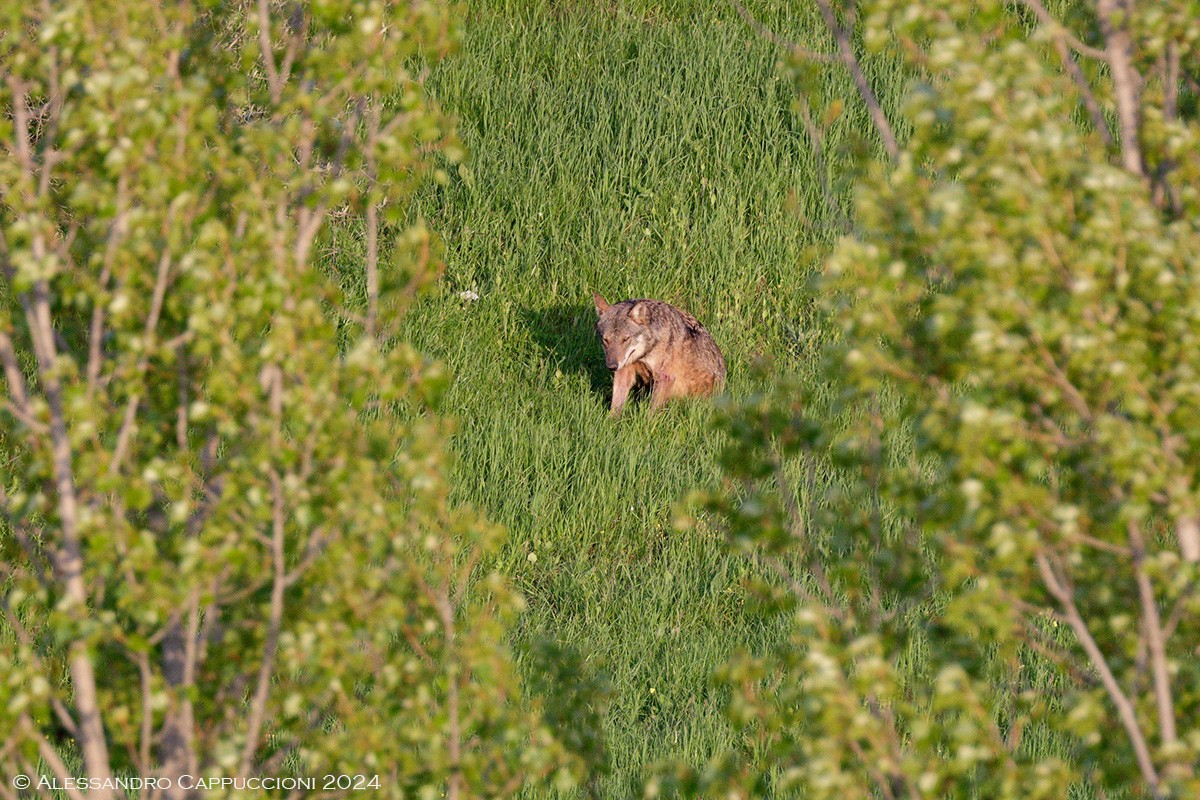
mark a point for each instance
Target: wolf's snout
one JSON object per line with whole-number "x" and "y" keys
{"x": 610, "y": 362}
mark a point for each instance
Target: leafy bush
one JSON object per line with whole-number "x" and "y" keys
{"x": 996, "y": 597}
{"x": 229, "y": 550}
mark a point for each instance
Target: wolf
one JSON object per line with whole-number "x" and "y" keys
{"x": 655, "y": 343}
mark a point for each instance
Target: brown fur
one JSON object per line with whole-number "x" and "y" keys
{"x": 655, "y": 343}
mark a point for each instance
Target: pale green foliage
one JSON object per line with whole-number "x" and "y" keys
{"x": 1001, "y": 600}
{"x": 227, "y": 554}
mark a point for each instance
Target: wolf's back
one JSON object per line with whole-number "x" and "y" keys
{"x": 691, "y": 349}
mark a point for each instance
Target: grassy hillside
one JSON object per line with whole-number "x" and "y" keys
{"x": 641, "y": 153}
{"x": 641, "y": 150}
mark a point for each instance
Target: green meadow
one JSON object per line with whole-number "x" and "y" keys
{"x": 638, "y": 150}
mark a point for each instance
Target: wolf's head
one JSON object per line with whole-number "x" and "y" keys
{"x": 623, "y": 331}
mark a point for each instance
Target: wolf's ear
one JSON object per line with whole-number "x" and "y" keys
{"x": 639, "y": 313}
{"x": 601, "y": 303}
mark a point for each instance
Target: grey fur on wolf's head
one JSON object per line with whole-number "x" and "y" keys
{"x": 622, "y": 330}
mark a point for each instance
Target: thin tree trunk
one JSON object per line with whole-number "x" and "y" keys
{"x": 1126, "y": 84}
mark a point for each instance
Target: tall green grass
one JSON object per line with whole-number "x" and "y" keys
{"x": 639, "y": 150}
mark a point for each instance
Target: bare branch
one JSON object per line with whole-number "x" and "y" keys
{"x": 1179, "y": 608}
{"x": 1164, "y": 193}
{"x": 1098, "y": 544}
{"x": 1127, "y": 84}
{"x": 845, "y": 54}
{"x": 1188, "y": 531}
{"x": 795, "y": 49}
{"x": 1152, "y": 625}
{"x": 29, "y": 422}
{"x": 817, "y": 137}
{"x": 446, "y": 614}
{"x": 124, "y": 434}
{"x": 68, "y": 557}
{"x": 1099, "y": 123}
{"x": 181, "y": 406}
{"x": 272, "y": 380}
{"x": 297, "y": 36}
{"x": 1047, "y": 652}
{"x": 1058, "y": 587}
{"x": 313, "y": 549}
{"x": 15, "y": 380}
{"x": 177, "y": 753}
{"x": 1171, "y": 72}
{"x": 310, "y": 220}
{"x": 52, "y": 759}
{"x": 60, "y": 710}
{"x": 1060, "y": 32}
{"x": 21, "y": 137}
{"x": 846, "y": 50}
{"x": 268, "y": 52}
{"x": 372, "y": 157}
{"x": 116, "y": 232}
{"x": 40, "y": 568}
{"x": 1059, "y": 378}
{"x": 50, "y": 120}
{"x": 7, "y": 792}
{"x": 146, "y": 679}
